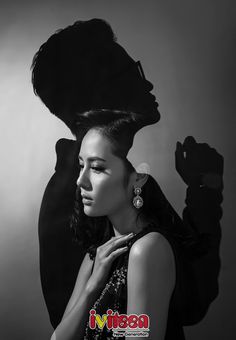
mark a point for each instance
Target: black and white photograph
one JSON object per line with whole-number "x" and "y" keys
{"x": 118, "y": 170}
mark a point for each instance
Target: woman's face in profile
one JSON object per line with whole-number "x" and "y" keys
{"x": 101, "y": 177}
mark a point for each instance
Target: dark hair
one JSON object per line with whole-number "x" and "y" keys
{"x": 120, "y": 127}
{"x": 67, "y": 65}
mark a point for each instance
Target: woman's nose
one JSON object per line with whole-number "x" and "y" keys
{"x": 83, "y": 180}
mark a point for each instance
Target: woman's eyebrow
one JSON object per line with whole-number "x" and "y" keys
{"x": 94, "y": 159}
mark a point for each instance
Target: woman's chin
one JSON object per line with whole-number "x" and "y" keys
{"x": 89, "y": 211}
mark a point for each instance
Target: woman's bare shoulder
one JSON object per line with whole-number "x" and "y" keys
{"x": 152, "y": 247}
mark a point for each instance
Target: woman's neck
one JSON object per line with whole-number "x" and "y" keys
{"x": 127, "y": 222}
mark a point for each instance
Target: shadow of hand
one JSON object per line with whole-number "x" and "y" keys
{"x": 198, "y": 163}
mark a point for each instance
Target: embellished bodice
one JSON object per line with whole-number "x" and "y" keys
{"x": 114, "y": 295}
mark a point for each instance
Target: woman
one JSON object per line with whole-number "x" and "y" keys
{"x": 131, "y": 260}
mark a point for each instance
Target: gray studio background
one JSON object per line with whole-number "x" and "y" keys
{"x": 187, "y": 49}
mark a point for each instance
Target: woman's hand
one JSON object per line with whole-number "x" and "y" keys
{"x": 105, "y": 256}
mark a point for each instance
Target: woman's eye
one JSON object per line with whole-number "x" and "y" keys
{"x": 97, "y": 169}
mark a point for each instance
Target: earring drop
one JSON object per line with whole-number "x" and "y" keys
{"x": 137, "y": 200}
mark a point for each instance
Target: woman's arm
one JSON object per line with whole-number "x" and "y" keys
{"x": 87, "y": 289}
{"x": 151, "y": 280}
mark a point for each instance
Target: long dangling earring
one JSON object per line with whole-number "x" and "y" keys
{"x": 137, "y": 200}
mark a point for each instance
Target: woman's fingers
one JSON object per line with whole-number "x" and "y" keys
{"x": 115, "y": 238}
{"x": 116, "y": 253}
{"x": 106, "y": 254}
{"x": 107, "y": 248}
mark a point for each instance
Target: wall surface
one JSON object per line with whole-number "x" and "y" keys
{"x": 187, "y": 49}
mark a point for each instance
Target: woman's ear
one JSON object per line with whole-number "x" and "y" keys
{"x": 141, "y": 179}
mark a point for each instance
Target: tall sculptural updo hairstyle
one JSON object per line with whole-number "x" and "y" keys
{"x": 120, "y": 127}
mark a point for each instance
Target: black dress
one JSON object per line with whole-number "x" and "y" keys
{"x": 114, "y": 294}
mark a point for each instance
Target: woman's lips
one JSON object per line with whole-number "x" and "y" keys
{"x": 87, "y": 201}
